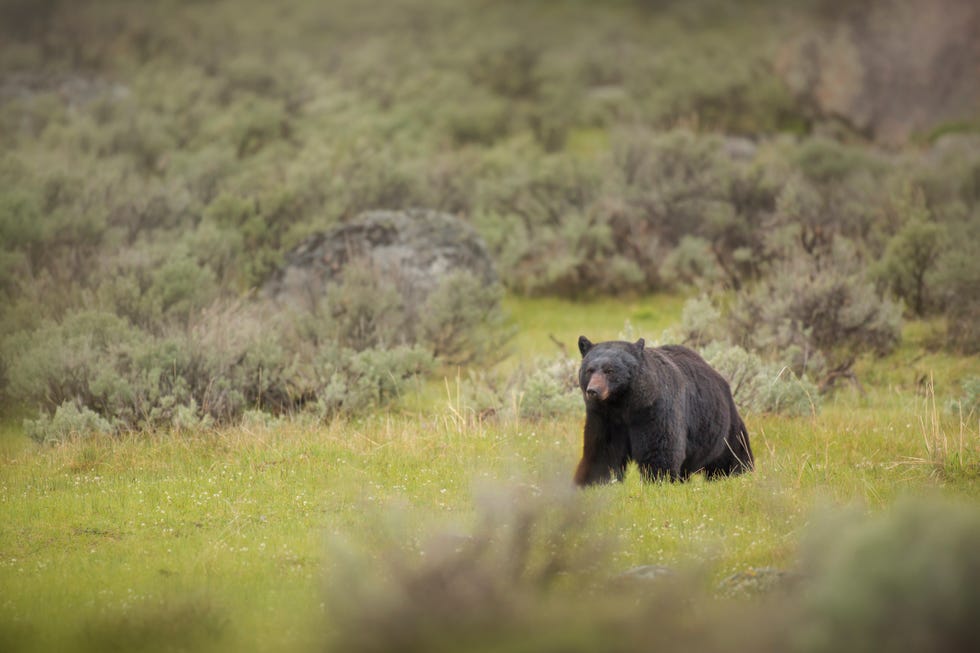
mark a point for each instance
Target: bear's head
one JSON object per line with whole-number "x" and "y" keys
{"x": 608, "y": 368}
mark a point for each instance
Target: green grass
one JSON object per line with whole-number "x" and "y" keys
{"x": 223, "y": 540}
{"x": 545, "y": 322}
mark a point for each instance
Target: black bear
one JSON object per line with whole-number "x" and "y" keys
{"x": 663, "y": 407}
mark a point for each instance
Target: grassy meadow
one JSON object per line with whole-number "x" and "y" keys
{"x": 186, "y": 465}
{"x": 229, "y": 539}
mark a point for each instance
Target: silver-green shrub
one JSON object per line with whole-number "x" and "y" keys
{"x": 538, "y": 389}
{"x": 354, "y": 382}
{"x": 809, "y": 320}
{"x": 817, "y": 315}
{"x": 462, "y": 321}
{"x": 966, "y": 405}
{"x": 68, "y": 421}
{"x": 759, "y": 386}
{"x": 232, "y": 358}
{"x": 551, "y": 389}
{"x": 73, "y": 361}
{"x": 701, "y": 322}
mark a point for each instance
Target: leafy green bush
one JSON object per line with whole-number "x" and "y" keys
{"x": 246, "y": 236}
{"x": 550, "y": 389}
{"x": 179, "y": 288}
{"x": 483, "y": 121}
{"x": 259, "y": 123}
{"x": 830, "y": 191}
{"x": 662, "y": 207}
{"x": 373, "y": 177}
{"x": 543, "y": 398}
{"x": 256, "y": 356}
{"x": 958, "y": 283}
{"x": 460, "y": 321}
{"x": 691, "y": 263}
{"x": 908, "y": 266}
{"x": 508, "y": 69}
{"x": 12, "y": 270}
{"x": 21, "y": 227}
{"x": 586, "y": 261}
{"x": 521, "y": 209}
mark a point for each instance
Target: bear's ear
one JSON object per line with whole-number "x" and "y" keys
{"x": 639, "y": 344}
{"x": 584, "y": 345}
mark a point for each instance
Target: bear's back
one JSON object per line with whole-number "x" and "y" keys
{"x": 691, "y": 365}
{"x": 687, "y": 375}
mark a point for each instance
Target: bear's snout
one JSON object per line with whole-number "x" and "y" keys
{"x": 598, "y": 387}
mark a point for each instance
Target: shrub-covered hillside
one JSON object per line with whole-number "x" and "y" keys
{"x": 159, "y": 159}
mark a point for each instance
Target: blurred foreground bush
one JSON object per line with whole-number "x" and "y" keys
{"x": 903, "y": 581}
{"x": 534, "y": 576}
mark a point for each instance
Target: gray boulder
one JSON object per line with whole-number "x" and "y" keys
{"x": 413, "y": 249}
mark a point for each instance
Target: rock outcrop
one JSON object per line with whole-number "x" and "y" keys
{"x": 415, "y": 249}
{"x": 889, "y": 69}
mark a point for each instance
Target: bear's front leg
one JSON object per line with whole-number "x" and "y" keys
{"x": 588, "y": 473}
{"x": 604, "y": 453}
